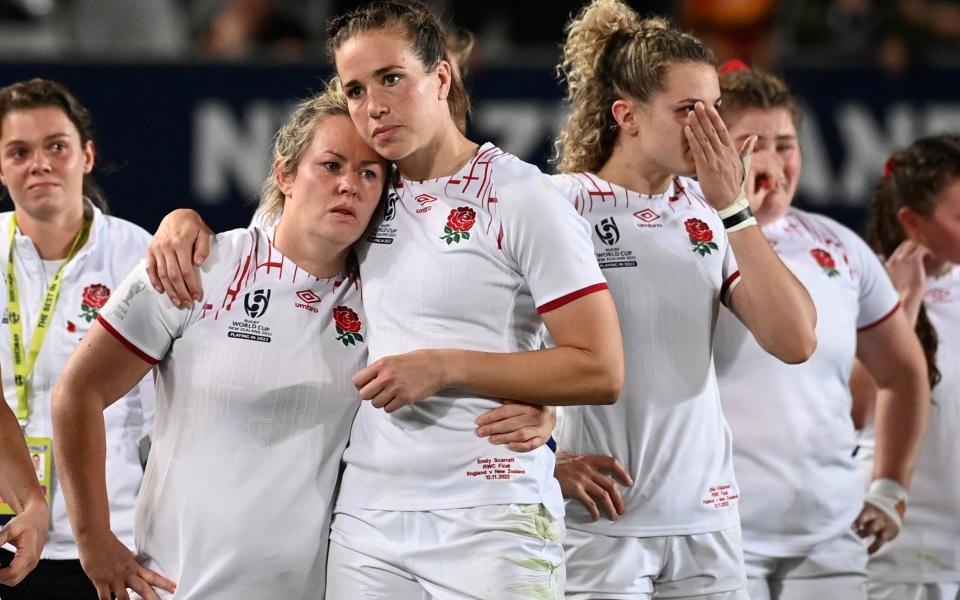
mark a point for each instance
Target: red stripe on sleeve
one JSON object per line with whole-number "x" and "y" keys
{"x": 555, "y": 304}
{"x": 726, "y": 286}
{"x": 880, "y": 320}
{"x": 140, "y": 353}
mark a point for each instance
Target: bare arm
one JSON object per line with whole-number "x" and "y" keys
{"x": 99, "y": 372}
{"x": 769, "y": 300}
{"x": 863, "y": 390}
{"x": 20, "y": 489}
{"x": 586, "y": 367}
{"x": 892, "y": 355}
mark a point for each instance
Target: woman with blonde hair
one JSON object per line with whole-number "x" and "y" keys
{"x": 643, "y": 123}
{"x": 804, "y": 515}
{"x": 254, "y": 400}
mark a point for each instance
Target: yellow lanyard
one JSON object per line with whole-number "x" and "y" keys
{"x": 23, "y": 362}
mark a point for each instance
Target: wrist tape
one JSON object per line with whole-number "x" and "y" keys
{"x": 890, "y": 497}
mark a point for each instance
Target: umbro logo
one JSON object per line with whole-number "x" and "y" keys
{"x": 308, "y": 298}
{"x": 647, "y": 217}
{"x": 424, "y": 201}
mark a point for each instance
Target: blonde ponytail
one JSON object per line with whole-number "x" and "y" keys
{"x": 609, "y": 53}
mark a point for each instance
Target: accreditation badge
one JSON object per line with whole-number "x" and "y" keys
{"x": 41, "y": 453}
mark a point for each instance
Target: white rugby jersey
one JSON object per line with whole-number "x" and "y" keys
{"x": 793, "y": 437}
{"x": 928, "y": 547}
{"x": 668, "y": 262}
{"x": 112, "y": 249}
{"x": 254, "y": 405}
{"x": 468, "y": 261}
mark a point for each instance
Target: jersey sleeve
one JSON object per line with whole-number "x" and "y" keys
{"x": 730, "y": 273}
{"x": 144, "y": 320}
{"x": 549, "y": 242}
{"x": 878, "y": 297}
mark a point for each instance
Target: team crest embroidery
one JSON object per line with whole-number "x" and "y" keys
{"x": 348, "y": 325}
{"x": 94, "y": 297}
{"x": 701, "y": 236}
{"x": 826, "y": 262}
{"x": 459, "y": 223}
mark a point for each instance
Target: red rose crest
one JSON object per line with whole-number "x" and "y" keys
{"x": 826, "y": 262}
{"x": 459, "y": 223}
{"x": 701, "y": 236}
{"x": 94, "y": 297}
{"x": 348, "y": 325}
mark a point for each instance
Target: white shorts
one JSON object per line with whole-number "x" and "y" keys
{"x": 878, "y": 590}
{"x": 832, "y": 570}
{"x": 708, "y": 566}
{"x": 502, "y": 552}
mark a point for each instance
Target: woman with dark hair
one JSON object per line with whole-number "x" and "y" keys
{"x": 793, "y": 437}
{"x": 61, "y": 264}
{"x": 915, "y": 223}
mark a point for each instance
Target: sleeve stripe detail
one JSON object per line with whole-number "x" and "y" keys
{"x": 567, "y": 299}
{"x": 880, "y": 320}
{"x": 725, "y": 288}
{"x": 140, "y": 353}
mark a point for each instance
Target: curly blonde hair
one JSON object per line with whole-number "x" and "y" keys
{"x": 609, "y": 53}
{"x": 293, "y": 139}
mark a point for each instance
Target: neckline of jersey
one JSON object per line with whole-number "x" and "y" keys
{"x": 674, "y": 190}
{"x": 481, "y": 149}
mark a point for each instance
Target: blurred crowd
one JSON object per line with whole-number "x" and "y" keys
{"x": 897, "y": 35}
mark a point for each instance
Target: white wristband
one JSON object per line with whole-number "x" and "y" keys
{"x": 890, "y": 497}
{"x": 739, "y": 203}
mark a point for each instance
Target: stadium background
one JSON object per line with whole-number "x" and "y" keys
{"x": 187, "y": 94}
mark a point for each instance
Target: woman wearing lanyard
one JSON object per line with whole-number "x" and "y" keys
{"x": 59, "y": 270}
{"x": 20, "y": 491}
